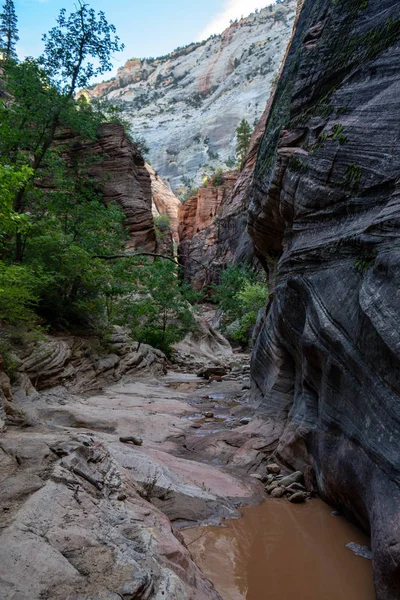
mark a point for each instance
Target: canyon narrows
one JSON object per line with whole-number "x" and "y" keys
{"x": 122, "y": 456}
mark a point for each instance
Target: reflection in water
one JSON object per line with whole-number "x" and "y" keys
{"x": 279, "y": 551}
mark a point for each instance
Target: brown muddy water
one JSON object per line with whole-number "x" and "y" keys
{"x": 279, "y": 551}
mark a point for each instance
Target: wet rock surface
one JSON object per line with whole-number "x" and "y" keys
{"x": 324, "y": 218}
{"x": 89, "y": 490}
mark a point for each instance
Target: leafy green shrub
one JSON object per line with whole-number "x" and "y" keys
{"x": 18, "y": 294}
{"x": 218, "y": 178}
{"x": 162, "y": 223}
{"x": 251, "y": 299}
{"x": 160, "y": 312}
{"x": 240, "y": 297}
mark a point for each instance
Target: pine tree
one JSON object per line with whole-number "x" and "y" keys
{"x": 243, "y": 135}
{"x": 8, "y": 31}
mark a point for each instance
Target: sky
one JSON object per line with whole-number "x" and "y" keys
{"x": 146, "y": 27}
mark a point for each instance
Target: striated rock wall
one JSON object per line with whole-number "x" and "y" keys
{"x": 188, "y": 104}
{"x": 121, "y": 171}
{"x": 199, "y": 231}
{"x": 164, "y": 201}
{"x": 324, "y": 218}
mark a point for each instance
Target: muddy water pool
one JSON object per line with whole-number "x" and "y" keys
{"x": 280, "y": 551}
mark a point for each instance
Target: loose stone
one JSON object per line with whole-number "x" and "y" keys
{"x": 295, "y": 477}
{"x": 298, "y": 498}
{"x": 278, "y": 492}
{"x": 273, "y": 469}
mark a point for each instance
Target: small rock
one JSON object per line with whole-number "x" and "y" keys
{"x": 270, "y": 479}
{"x": 271, "y": 487}
{"x": 277, "y": 492}
{"x": 121, "y": 497}
{"x": 245, "y": 420}
{"x": 209, "y": 415}
{"x": 295, "y": 487}
{"x": 273, "y": 469}
{"x": 296, "y": 477}
{"x": 196, "y": 426}
{"x": 131, "y": 439}
{"x": 298, "y": 498}
{"x": 208, "y": 372}
{"x": 256, "y": 476}
{"x": 362, "y": 551}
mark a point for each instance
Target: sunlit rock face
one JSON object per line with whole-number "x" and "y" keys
{"x": 164, "y": 201}
{"x": 199, "y": 232}
{"x": 188, "y": 104}
{"x": 325, "y": 220}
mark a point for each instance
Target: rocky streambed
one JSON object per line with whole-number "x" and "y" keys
{"x": 97, "y": 488}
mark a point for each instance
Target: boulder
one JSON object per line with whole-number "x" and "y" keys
{"x": 296, "y": 477}
{"x": 212, "y": 371}
{"x": 273, "y": 469}
{"x": 298, "y": 498}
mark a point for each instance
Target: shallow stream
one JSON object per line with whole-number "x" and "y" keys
{"x": 280, "y": 551}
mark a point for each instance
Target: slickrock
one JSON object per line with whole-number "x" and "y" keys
{"x": 324, "y": 218}
{"x": 76, "y": 527}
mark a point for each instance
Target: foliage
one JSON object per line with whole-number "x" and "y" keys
{"x": 162, "y": 224}
{"x": 240, "y": 296}
{"x": 141, "y": 145}
{"x": 160, "y": 313}
{"x": 11, "y": 179}
{"x": 18, "y": 294}
{"x": 218, "y": 178}
{"x": 231, "y": 162}
{"x": 8, "y": 31}
{"x": 75, "y": 39}
{"x": 55, "y": 229}
{"x": 243, "y": 135}
{"x": 251, "y": 299}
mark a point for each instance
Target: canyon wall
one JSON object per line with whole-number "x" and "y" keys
{"x": 199, "y": 232}
{"x": 325, "y": 221}
{"x": 188, "y": 104}
{"x": 125, "y": 178}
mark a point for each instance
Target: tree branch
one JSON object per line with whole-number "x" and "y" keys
{"x": 155, "y": 255}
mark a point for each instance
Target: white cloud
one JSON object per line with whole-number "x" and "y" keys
{"x": 232, "y": 9}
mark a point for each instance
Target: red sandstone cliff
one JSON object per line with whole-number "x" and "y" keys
{"x": 199, "y": 231}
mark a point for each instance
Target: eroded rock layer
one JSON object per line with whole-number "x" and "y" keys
{"x": 188, "y": 104}
{"x": 120, "y": 170}
{"x": 325, "y": 220}
{"x": 199, "y": 231}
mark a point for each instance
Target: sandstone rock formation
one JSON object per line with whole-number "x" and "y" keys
{"x": 164, "y": 201}
{"x": 79, "y": 504}
{"x": 199, "y": 231}
{"x": 120, "y": 170}
{"x": 324, "y": 219}
{"x": 188, "y": 104}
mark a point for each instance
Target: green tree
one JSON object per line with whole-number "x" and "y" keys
{"x": 66, "y": 65}
{"x": 8, "y": 30}
{"x": 161, "y": 313}
{"x": 240, "y": 296}
{"x": 243, "y": 135}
